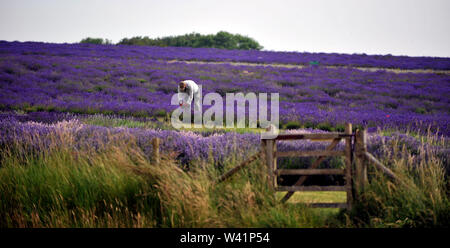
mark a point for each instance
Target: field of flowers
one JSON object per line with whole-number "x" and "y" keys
{"x": 221, "y": 55}
{"x": 77, "y": 120}
{"x": 41, "y": 132}
{"x": 139, "y": 81}
{"x": 71, "y": 174}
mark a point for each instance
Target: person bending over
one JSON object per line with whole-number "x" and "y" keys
{"x": 192, "y": 93}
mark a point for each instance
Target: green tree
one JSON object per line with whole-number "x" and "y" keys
{"x": 98, "y": 41}
{"x": 222, "y": 39}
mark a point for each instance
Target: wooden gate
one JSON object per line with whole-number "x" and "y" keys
{"x": 269, "y": 146}
{"x": 355, "y": 150}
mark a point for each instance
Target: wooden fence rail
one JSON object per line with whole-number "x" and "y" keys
{"x": 310, "y": 172}
{"x": 319, "y": 160}
{"x": 237, "y": 168}
{"x": 309, "y": 154}
{"x": 385, "y": 170}
{"x": 311, "y": 188}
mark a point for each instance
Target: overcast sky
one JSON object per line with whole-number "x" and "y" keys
{"x": 398, "y": 27}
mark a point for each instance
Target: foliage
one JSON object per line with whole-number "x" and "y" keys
{"x": 222, "y": 40}
{"x": 114, "y": 184}
{"x": 71, "y": 175}
{"x": 293, "y": 125}
{"x": 97, "y": 41}
{"x": 422, "y": 201}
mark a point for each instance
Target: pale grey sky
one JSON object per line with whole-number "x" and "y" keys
{"x": 398, "y": 27}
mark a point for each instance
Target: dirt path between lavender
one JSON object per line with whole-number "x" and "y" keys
{"x": 370, "y": 69}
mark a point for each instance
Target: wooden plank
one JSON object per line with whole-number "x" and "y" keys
{"x": 310, "y": 172}
{"x": 364, "y": 165}
{"x": 275, "y": 167}
{"x": 361, "y": 165}
{"x": 155, "y": 146}
{"x": 311, "y": 136}
{"x": 385, "y": 170}
{"x": 239, "y": 167}
{"x": 358, "y": 162}
{"x": 381, "y": 167}
{"x": 348, "y": 166}
{"x": 269, "y": 161}
{"x": 263, "y": 155}
{"x": 328, "y": 205}
{"x": 311, "y": 188}
{"x": 321, "y": 140}
{"x": 310, "y": 153}
{"x": 316, "y": 163}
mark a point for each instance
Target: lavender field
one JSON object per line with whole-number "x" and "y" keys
{"x": 139, "y": 81}
{"x": 80, "y": 104}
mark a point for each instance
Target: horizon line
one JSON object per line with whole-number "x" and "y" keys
{"x": 262, "y": 50}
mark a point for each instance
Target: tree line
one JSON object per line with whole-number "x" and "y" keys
{"x": 222, "y": 40}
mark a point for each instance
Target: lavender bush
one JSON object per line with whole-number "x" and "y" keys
{"x": 213, "y": 54}
{"x": 216, "y": 148}
{"x": 139, "y": 82}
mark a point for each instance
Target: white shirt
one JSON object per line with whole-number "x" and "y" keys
{"x": 191, "y": 89}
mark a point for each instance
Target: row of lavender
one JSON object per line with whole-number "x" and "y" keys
{"x": 82, "y": 81}
{"x": 213, "y": 54}
{"x": 217, "y": 148}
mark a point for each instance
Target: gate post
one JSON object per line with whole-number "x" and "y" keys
{"x": 155, "y": 147}
{"x": 269, "y": 152}
{"x": 361, "y": 164}
{"x": 274, "y": 164}
{"x": 264, "y": 156}
{"x": 348, "y": 166}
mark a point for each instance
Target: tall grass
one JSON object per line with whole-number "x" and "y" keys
{"x": 117, "y": 185}
{"x": 421, "y": 201}
{"x": 65, "y": 187}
